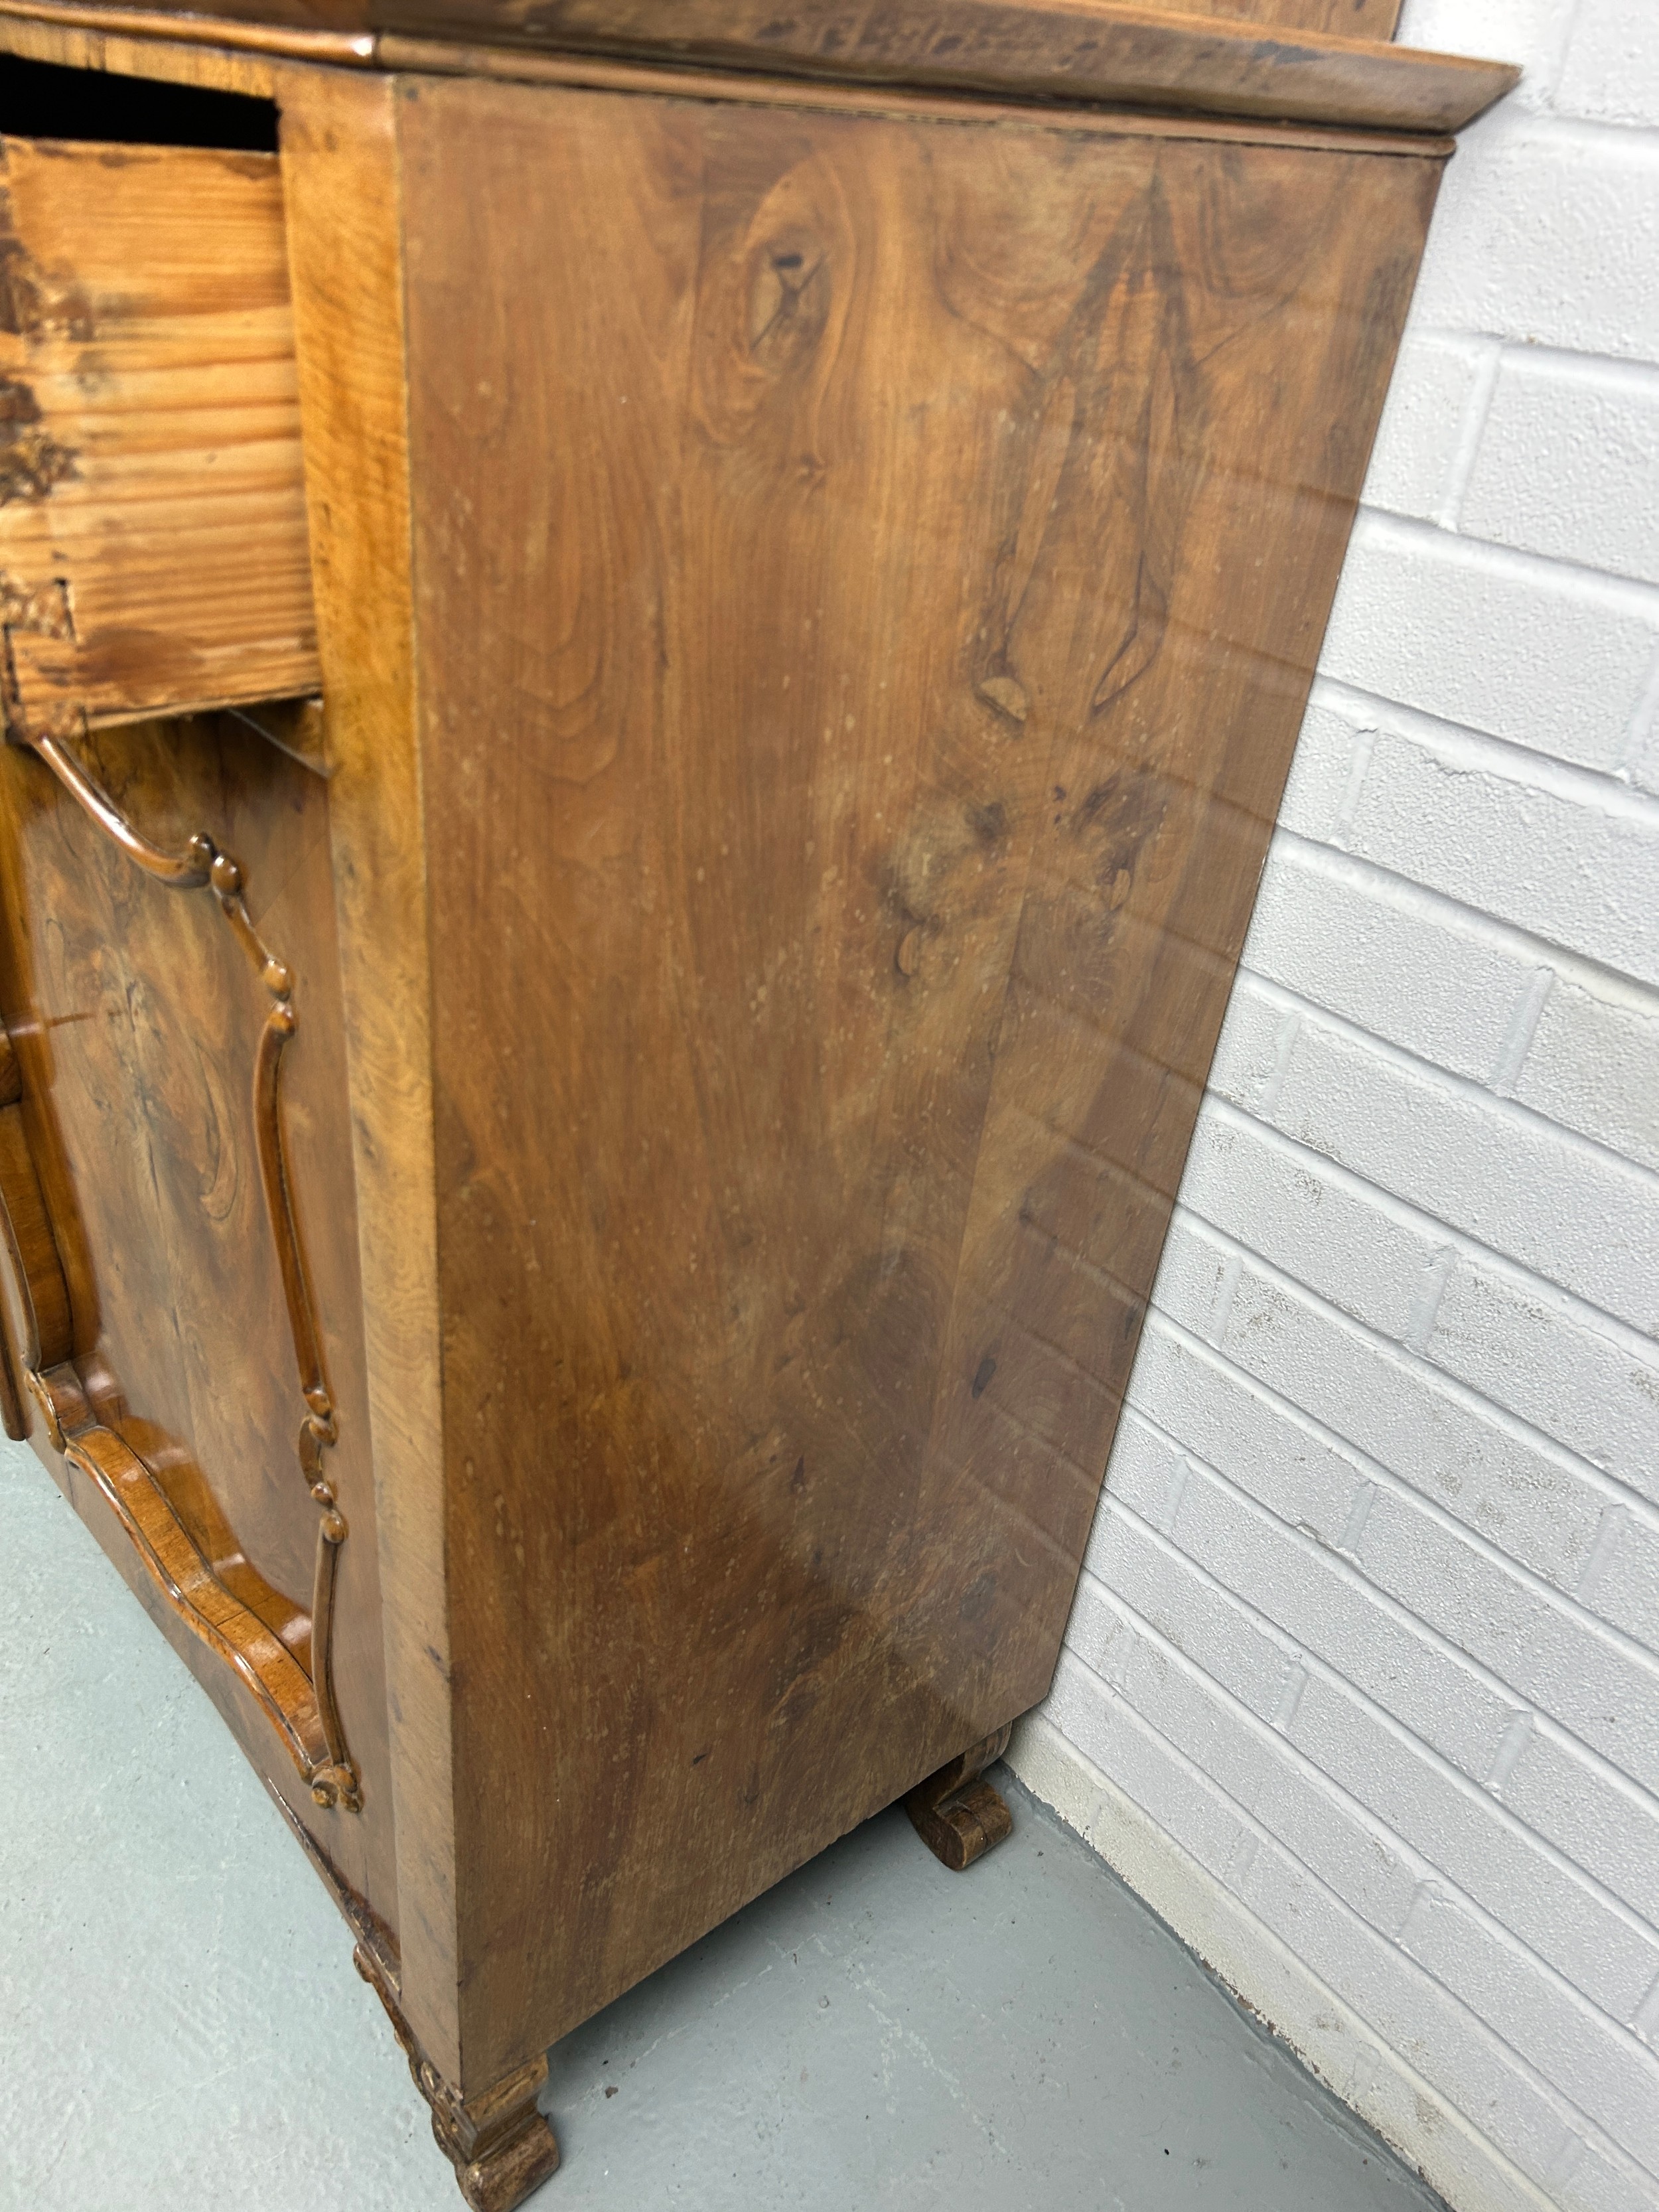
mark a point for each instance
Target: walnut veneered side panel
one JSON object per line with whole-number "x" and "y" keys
{"x": 860, "y": 650}
{"x": 152, "y": 546}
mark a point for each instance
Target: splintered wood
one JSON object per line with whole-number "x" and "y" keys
{"x": 153, "y": 551}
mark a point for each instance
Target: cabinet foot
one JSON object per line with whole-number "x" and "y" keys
{"x": 957, "y": 1815}
{"x": 501, "y": 2147}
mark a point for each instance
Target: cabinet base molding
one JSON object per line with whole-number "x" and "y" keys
{"x": 957, "y": 1813}
{"x": 501, "y": 2147}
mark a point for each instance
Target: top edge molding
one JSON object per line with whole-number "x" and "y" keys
{"x": 1077, "y": 53}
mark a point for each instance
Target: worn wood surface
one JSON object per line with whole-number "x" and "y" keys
{"x": 79, "y": 40}
{"x": 152, "y": 528}
{"x": 502, "y": 2147}
{"x": 316, "y": 1739}
{"x": 192, "y": 1558}
{"x": 264, "y": 27}
{"x": 172, "y": 60}
{"x": 596, "y": 73}
{"x": 957, "y": 1814}
{"x": 340, "y": 175}
{"x": 137, "y": 1025}
{"x": 833, "y": 906}
{"x": 1067, "y": 51}
{"x": 1231, "y": 60}
{"x": 1349, "y": 18}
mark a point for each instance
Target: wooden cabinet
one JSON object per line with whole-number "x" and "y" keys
{"x": 578, "y": 1214}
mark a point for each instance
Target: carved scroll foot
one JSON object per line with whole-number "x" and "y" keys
{"x": 501, "y": 2147}
{"x": 957, "y": 1815}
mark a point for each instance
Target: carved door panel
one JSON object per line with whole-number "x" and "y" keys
{"x": 183, "y": 1331}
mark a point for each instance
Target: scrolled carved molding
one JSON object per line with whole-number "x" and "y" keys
{"x": 956, "y": 1812}
{"x": 500, "y": 2142}
{"x": 301, "y": 1706}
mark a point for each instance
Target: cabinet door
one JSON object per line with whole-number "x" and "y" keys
{"x": 183, "y": 1332}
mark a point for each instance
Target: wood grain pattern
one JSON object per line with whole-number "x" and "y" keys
{"x": 138, "y": 1033}
{"x": 832, "y": 915}
{"x": 41, "y": 1331}
{"x": 346, "y": 218}
{"x": 278, "y": 1680}
{"x": 1229, "y": 60}
{"x": 1354, "y": 19}
{"x": 328, "y": 1771}
{"x": 152, "y": 524}
{"x": 500, "y": 2144}
{"x": 1348, "y": 19}
{"x": 957, "y": 1814}
{"x": 13, "y": 1157}
{"x": 1067, "y": 50}
{"x": 260, "y": 33}
{"x": 79, "y": 39}
{"x": 176, "y": 61}
{"x": 815, "y": 584}
{"x": 594, "y": 73}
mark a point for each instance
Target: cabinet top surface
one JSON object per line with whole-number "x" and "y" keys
{"x": 1290, "y": 61}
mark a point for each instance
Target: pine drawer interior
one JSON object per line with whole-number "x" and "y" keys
{"x": 153, "y": 548}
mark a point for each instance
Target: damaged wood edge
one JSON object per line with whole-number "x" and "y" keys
{"x": 31, "y": 611}
{"x": 1190, "y": 76}
{"x": 33, "y": 463}
{"x": 30, "y": 37}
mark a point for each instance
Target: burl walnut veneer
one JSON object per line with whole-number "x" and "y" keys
{"x": 649, "y": 652}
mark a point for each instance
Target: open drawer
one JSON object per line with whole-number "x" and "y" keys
{"x": 152, "y": 550}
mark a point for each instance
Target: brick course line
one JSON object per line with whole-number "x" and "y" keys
{"x": 1592, "y": 1478}
{"x": 1579, "y": 1311}
{"x": 1513, "y": 1110}
{"x": 1638, "y": 375}
{"x": 1479, "y": 2028}
{"x": 1387, "y": 1480}
{"x": 1588, "y": 134}
{"x": 1309, "y": 2005}
{"x": 1591, "y": 788}
{"x": 1359, "y": 872}
{"x": 1452, "y": 983}
{"x": 1590, "y": 587}
{"x": 1645, "y": 1931}
{"x": 1644, "y": 1801}
{"x": 1270, "y": 1735}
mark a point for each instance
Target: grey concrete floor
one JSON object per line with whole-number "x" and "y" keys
{"x": 180, "y": 2026}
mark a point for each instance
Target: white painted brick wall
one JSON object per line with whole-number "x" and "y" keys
{"x": 1365, "y": 1664}
{"x": 1568, "y": 462}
